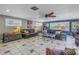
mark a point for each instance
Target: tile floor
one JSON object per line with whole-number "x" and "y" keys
{"x": 35, "y": 46}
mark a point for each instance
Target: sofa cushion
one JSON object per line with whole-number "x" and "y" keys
{"x": 51, "y": 31}
{"x": 54, "y": 52}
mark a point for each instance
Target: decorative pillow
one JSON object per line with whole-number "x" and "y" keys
{"x": 69, "y": 51}
{"x": 25, "y": 31}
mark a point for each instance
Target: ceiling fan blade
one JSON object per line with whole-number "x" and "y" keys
{"x": 50, "y": 13}
{"x": 51, "y": 16}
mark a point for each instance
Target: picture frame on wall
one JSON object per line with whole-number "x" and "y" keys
{"x": 29, "y": 24}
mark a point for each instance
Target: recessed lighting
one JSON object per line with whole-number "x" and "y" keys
{"x": 7, "y": 10}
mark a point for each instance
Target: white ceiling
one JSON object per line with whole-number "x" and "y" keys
{"x": 62, "y": 11}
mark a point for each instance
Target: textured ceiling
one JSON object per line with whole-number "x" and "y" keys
{"x": 23, "y": 10}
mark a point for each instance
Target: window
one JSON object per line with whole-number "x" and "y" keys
{"x": 60, "y": 26}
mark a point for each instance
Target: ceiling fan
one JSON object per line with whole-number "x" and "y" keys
{"x": 47, "y": 15}
{"x": 50, "y": 15}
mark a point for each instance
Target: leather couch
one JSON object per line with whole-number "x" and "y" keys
{"x": 27, "y": 33}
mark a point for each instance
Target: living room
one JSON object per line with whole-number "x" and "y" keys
{"x": 37, "y": 29}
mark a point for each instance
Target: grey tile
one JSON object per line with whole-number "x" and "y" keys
{"x": 33, "y": 46}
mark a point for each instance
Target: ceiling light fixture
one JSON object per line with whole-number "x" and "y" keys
{"x": 34, "y": 8}
{"x": 7, "y": 10}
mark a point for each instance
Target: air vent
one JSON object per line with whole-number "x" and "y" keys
{"x": 34, "y": 8}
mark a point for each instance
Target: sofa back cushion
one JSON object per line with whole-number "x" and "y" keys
{"x": 49, "y": 31}
{"x": 29, "y": 30}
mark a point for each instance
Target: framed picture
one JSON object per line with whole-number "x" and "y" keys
{"x": 29, "y": 24}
